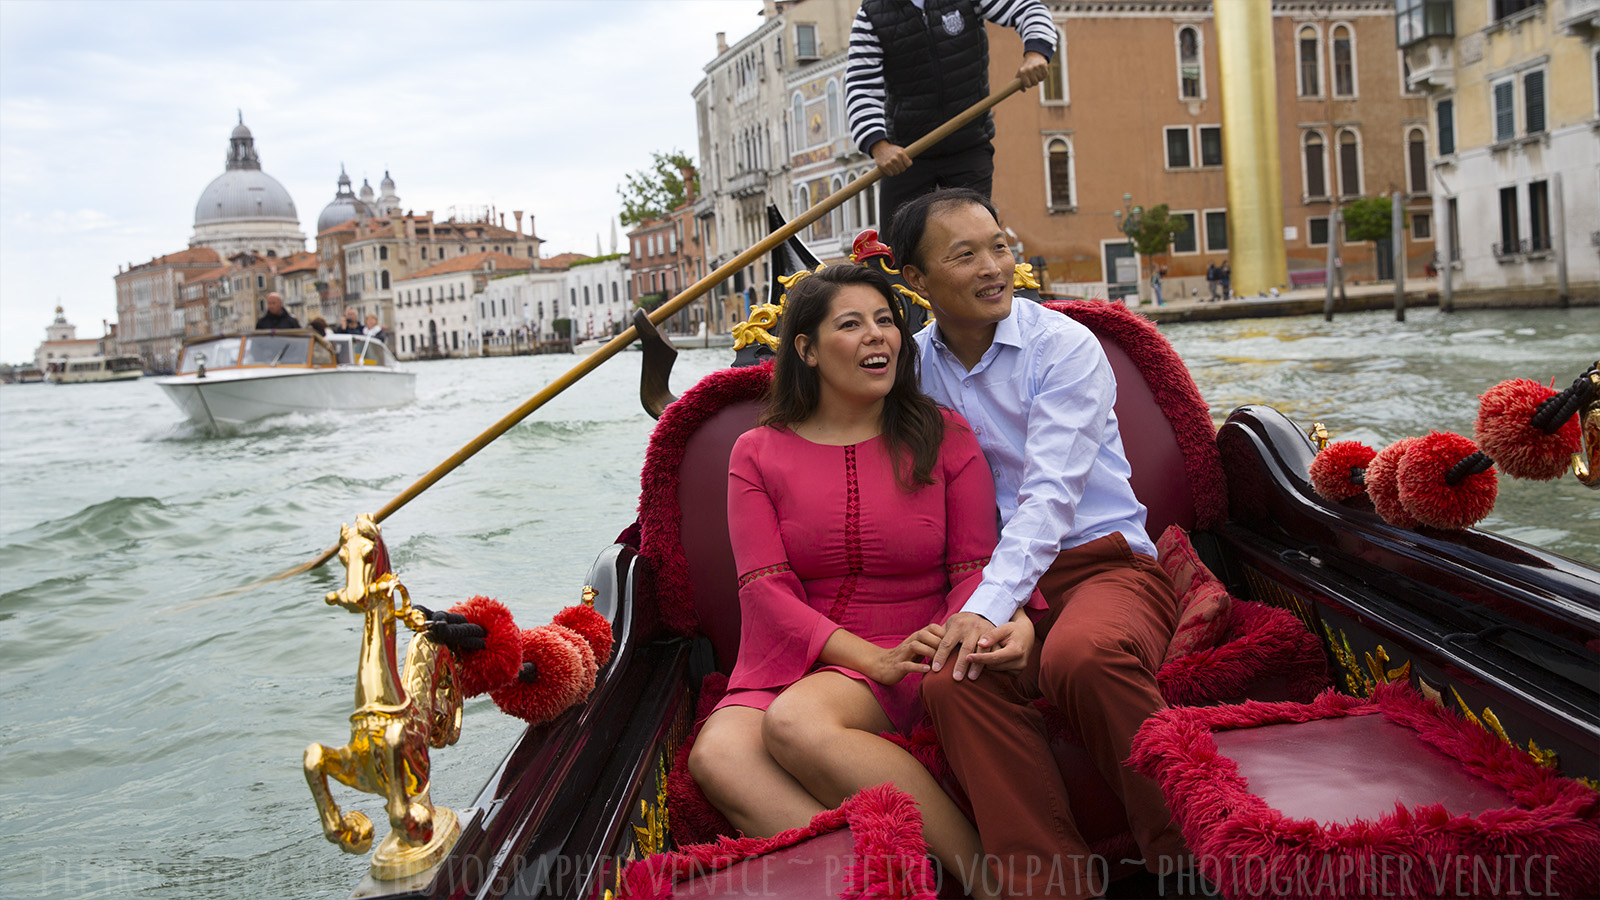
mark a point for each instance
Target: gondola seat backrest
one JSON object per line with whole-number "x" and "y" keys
{"x": 1166, "y": 431}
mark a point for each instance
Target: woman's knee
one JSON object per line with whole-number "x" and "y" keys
{"x": 794, "y": 729}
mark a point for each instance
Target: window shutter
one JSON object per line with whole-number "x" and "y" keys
{"x": 1447, "y": 127}
{"x": 1533, "y": 102}
{"x": 1505, "y": 123}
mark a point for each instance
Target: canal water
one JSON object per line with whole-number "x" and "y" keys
{"x": 151, "y": 734}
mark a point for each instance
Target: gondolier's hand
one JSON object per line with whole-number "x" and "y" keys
{"x": 891, "y": 158}
{"x": 1034, "y": 69}
{"x": 961, "y": 633}
{"x": 452, "y": 630}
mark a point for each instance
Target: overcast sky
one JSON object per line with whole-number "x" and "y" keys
{"x": 114, "y": 117}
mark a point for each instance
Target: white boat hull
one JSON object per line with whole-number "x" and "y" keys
{"x": 234, "y": 397}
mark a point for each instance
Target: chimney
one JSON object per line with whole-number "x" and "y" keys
{"x": 428, "y": 215}
{"x": 531, "y": 232}
{"x": 502, "y": 220}
{"x": 517, "y": 215}
{"x": 722, "y": 42}
{"x": 687, "y": 173}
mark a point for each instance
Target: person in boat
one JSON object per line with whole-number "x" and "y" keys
{"x": 859, "y": 513}
{"x": 320, "y": 326}
{"x": 275, "y": 316}
{"x": 352, "y": 322}
{"x": 1038, "y": 390}
{"x": 374, "y": 330}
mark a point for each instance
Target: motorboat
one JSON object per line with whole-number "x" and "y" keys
{"x": 233, "y": 379}
{"x": 1336, "y": 610}
{"x": 89, "y": 369}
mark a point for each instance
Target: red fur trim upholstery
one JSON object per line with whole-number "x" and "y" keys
{"x": 1504, "y": 432}
{"x": 923, "y": 745}
{"x": 1383, "y": 484}
{"x": 890, "y": 856}
{"x": 1174, "y": 390}
{"x": 692, "y": 818}
{"x": 659, "y": 519}
{"x": 1222, "y": 820}
{"x": 1433, "y": 501}
{"x": 560, "y": 680}
{"x": 501, "y": 657}
{"x": 1332, "y": 472}
{"x": 592, "y": 626}
{"x": 1262, "y": 642}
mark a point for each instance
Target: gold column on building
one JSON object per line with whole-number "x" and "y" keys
{"x": 1250, "y": 144}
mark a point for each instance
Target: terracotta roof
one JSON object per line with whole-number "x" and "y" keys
{"x": 347, "y": 225}
{"x": 503, "y": 262}
{"x": 561, "y": 260}
{"x": 182, "y": 257}
{"x": 298, "y": 262}
{"x": 206, "y": 274}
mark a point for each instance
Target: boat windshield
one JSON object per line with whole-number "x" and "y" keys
{"x": 218, "y": 354}
{"x": 341, "y": 349}
{"x": 374, "y": 353}
{"x": 272, "y": 350}
{"x": 322, "y": 354}
{"x": 126, "y": 363}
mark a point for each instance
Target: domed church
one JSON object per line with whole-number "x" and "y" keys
{"x": 245, "y": 210}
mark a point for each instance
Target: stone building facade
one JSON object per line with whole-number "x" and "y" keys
{"x": 150, "y": 323}
{"x": 435, "y": 310}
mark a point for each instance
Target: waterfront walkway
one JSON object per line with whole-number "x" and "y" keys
{"x": 1306, "y": 301}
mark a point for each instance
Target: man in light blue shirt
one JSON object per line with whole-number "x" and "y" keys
{"x": 1038, "y": 391}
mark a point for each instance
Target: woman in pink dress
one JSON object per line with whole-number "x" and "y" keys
{"x": 861, "y": 515}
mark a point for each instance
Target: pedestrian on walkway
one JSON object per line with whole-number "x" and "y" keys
{"x": 1155, "y": 283}
{"x": 1213, "y": 281}
{"x": 1225, "y": 275}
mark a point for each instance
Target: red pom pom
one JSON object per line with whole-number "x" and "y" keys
{"x": 1431, "y": 499}
{"x": 593, "y": 626}
{"x": 501, "y": 656}
{"x": 586, "y": 664}
{"x": 557, "y": 685}
{"x": 1331, "y": 471}
{"x": 1516, "y": 446}
{"x": 1383, "y": 485}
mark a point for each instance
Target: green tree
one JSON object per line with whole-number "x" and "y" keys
{"x": 1368, "y": 219}
{"x": 651, "y": 193}
{"x": 1154, "y": 232}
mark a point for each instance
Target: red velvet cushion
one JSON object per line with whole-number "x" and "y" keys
{"x": 1203, "y": 622}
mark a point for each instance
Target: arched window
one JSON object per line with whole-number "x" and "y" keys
{"x": 1191, "y": 85}
{"x": 383, "y": 279}
{"x": 383, "y": 252}
{"x": 1310, "y": 57}
{"x": 835, "y": 126}
{"x": 1344, "y": 61}
{"x": 1349, "y": 163}
{"x": 1055, "y": 81}
{"x": 1417, "y": 160}
{"x": 836, "y": 216}
{"x": 802, "y": 202}
{"x": 799, "y": 121}
{"x": 1059, "y": 167}
{"x": 1315, "y": 156}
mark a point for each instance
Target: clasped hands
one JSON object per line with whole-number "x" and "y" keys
{"x": 968, "y": 641}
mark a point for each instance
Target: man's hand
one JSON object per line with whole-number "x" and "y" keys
{"x": 961, "y": 634}
{"x": 1034, "y": 69}
{"x": 892, "y": 158}
{"x": 1005, "y": 649}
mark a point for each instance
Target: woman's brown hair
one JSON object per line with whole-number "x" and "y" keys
{"x": 912, "y": 425}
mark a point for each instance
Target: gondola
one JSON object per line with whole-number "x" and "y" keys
{"x": 1372, "y": 639}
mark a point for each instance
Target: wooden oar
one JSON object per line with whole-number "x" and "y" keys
{"x": 660, "y": 314}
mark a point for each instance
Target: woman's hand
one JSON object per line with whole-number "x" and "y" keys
{"x": 1006, "y": 648}
{"x": 895, "y": 663}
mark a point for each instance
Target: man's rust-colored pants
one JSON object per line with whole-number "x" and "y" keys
{"x": 1111, "y": 616}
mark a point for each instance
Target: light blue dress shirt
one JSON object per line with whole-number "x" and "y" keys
{"x": 1039, "y": 402}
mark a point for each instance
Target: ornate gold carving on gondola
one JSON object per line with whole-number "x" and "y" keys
{"x": 758, "y": 327}
{"x": 1356, "y": 681}
{"x": 1318, "y": 433}
{"x": 1586, "y": 462}
{"x": 914, "y": 297}
{"x": 1265, "y": 590}
{"x": 400, "y": 713}
{"x": 1022, "y": 277}
{"x": 1377, "y": 665}
{"x": 651, "y": 837}
{"x": 588, "y": 595}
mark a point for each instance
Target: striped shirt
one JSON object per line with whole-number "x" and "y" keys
{"x": 864, "y": 86}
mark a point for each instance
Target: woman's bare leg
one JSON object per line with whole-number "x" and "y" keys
{"x": 824, "y": 730}
{"x": 732, "y": 766}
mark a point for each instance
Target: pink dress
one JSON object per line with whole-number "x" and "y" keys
{"x": 824, "y": 537}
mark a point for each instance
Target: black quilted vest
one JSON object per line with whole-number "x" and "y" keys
{"x": 935, "y": 64}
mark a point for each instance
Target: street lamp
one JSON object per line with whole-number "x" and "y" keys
{"x": 1128, "y": 217}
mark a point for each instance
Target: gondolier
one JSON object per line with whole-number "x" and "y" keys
{"x": 916, "y": 63}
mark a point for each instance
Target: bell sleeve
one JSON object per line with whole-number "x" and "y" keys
{"x": 780, "y": 634}
{"x": 972, "y": 519}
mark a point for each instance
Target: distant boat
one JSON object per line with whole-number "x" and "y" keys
{"x": 234, "y": 379}
{"x": 88, "y": 369}
{"x": 28, "y": 375}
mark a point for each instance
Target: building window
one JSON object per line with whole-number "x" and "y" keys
{"x": 424, "y": 252}
{"x": 1055, "y": 81}
{"x": 1310, "y": 54}
{"x": 1509, "y": 235}
{"x": 383, "y": 279}
{"x": 835, "y": 127}
{"x": 1533, "y": 102}
{"x": 1315, "y": 158}
{"x": 1349, "y": 163}
{"x": 799, "y": 113}
{"x": 1446, "y": 114}
{"x": 1344, "y": 61}
{"x": 1216, "y": 230}
{"x": 1500, "y": 9}
{"x": 1187, "y": 240}
{"x": 1210, "y": 145}
{"x": 383, "y": 252}
{"x": 1505, "y": 113}
{"x": 1421, "y": 226}
{"x": 1317, "y": 231}
{"x": 1058, "y": 162}
{"x": 1539, "y": 216}
{"x": 1417, "y": 160}
{"x": 1416, "y": 20}
{"x": 1191, "y": 74}
{"x": 1178, "y": 154}
{"x": 805, "y": 42}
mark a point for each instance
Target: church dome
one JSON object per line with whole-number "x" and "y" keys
{"x": 343, "y": 208}
{"x": 243, "y": 191}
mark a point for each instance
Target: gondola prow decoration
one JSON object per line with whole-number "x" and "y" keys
{"x": 400, "y": 713}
